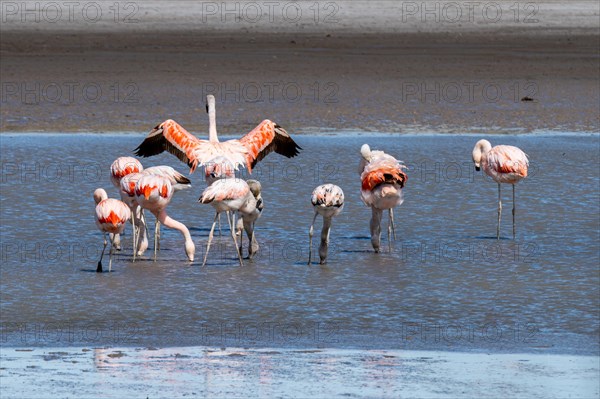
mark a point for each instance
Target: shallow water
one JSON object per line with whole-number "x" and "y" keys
{"x": 240, "y": 373}
{"x": 447, "y": 283}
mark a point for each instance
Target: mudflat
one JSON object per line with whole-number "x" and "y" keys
{"x": 380, "y": 66}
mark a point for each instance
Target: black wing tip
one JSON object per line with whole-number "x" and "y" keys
{"x": 183, "y": 180}
{"x": 142, "y": 150}
{"x": 291, "y": 147}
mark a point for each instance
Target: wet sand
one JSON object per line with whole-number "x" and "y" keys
{"x": 241, "y": 372}
{"x": 374, "y": 69}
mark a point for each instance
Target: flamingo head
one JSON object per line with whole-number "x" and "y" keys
{"x": 255, "y": 187}
{"x": 479, "y": 151}
{"x": 99, "y": 195}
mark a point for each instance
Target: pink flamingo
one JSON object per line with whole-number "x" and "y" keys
{"x": 154, "y": 193}
{"x": 328, "y": 201}
{"x": 111, "y": 217}
{"x": 504, "y": 164}
{"x": 137, "y": 213}
{"x": 228, "y": 195}
{"x": 178, "y": 181}
{"x": 382, "y": 179}
{"x": 247, "y": 151}
{"x": 121, "y": 167}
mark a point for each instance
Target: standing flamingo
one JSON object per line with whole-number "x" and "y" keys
{"x": 504, "y": 164}
{"x": 246, "y": 152}
{"x": 111, "y": 217}
{"x": 154, "y": 193}
{"x": 382, "y": 179}
{"x": 140, "y": 238}
{"x": 121, "y": 167}
{"x": 178, "y": 181}
{"x": 248, "y": 215}
{"x": 328, "y": 201}
{"x": 227, "y": 195}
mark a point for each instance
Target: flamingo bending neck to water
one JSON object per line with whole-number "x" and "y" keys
{"x": 248, "y": 214}
{"x": 504, "y": 164}
{"x": 382, "y": 178}
{"x": 228, "y": 195}
{"x": 328, "y": 201}
{"x": 120, "y": 168}
{"x": 111, "y": 217}
{"x": 154, "y": 193}
{"x": 140, "y": 236}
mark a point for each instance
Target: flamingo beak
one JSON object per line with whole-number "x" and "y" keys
{"x": 477, "y": 168}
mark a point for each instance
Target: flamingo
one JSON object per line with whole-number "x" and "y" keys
{"x": 121, "y": 167}
{"x": 504, "y": 164}
{"x": 382, "y": 179}
{"x": 228, "y": 195}
{"x": 328, "y": 201}
{"x": 137, "y": 213}
{"x": 178, "y": 181}
{"x": 246, "y": 152}
{"x": 154, "y": 193}
{"x": 111, "y": 217}
{"x": 248, "y": 216}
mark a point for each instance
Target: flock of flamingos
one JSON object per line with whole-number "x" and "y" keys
{"x": 382, "y": 177}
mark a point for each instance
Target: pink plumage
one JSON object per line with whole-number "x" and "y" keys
{"x": 123, "y": 166}
{"x": 111, "y": 215}
{"x": 505, "y": 164}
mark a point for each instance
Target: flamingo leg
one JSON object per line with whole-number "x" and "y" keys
{"x": 239, "y": 231}
{"x": 234, "y": 239}
{"x": 158, "y": 234}
{"x": 229, "y": 219}
{"x": 376, "y": 228}
{"x": 220, "y": 224}
{"x": 135, "y": 234}
{"x": 99, "y": 267}
{"x": 156, "y": 238}
{"x": 499, "y": 212}
{"x": 310, "y": 236}
{"x": 513, "y": 214}
{"x": 210, "y": 237}
{"x": 110, "y": 253}
{"x": 392, "y": 222}
{"x": 389, "y": 233}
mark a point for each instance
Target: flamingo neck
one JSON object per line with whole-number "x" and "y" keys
{"x": 212, "y": 120}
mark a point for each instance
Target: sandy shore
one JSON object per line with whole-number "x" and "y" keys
{"x": 237, "y": 372}
{"x": 381, "y": 66}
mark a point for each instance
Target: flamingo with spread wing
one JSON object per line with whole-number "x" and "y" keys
{"x": 247, "y": 151}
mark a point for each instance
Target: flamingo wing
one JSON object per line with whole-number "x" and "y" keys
{"x": 166, "y": 171}
{"x": 172, "y": 137}
{"x": 383, "y": 171}
{"x": 266, "y": 138}
{"x": 224, "y": 190}
{"x": 328, "y": 195}
{"x": 508, "y": 159}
